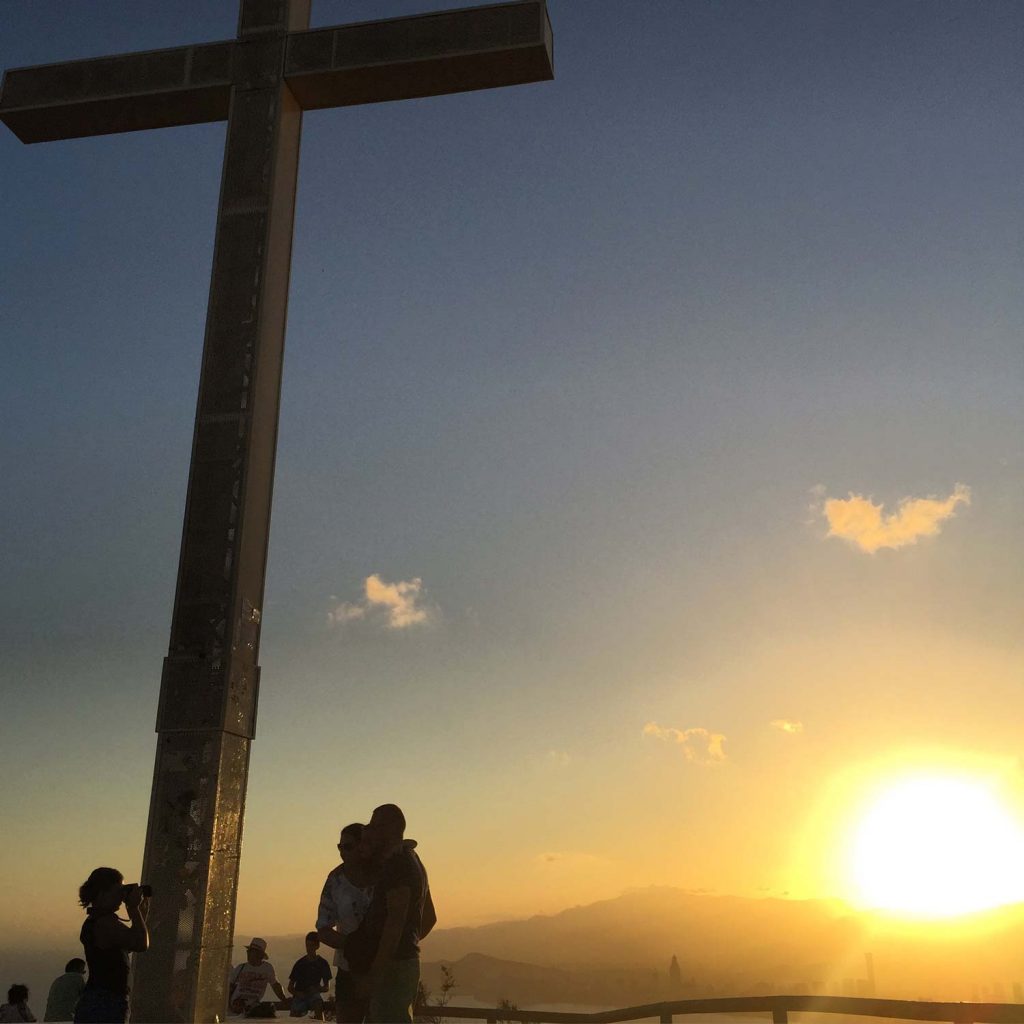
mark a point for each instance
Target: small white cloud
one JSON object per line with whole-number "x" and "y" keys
{"x": 787, "y": 725}
{"x": 699, "y": 745}
{"x": 345, "y": 612}
{"x": 558, "y": 758}
{"x": 860, "y": 521}
{"x": 395, "y": 605}
{"x": 400, "y": 600}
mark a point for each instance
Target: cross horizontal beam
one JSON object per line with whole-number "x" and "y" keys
{"x": 425, "y": 55}
{"x": 130, "y": 92}
{"x": 370, "y": 62}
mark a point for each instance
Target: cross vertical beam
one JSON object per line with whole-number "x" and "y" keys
{"x": 207, "y": 714}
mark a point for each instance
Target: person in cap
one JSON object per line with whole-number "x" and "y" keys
{"x": 249, "y": 982}
{"x": 343, "y": 901}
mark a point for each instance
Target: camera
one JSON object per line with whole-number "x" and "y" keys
{"x": 147, "y": 890}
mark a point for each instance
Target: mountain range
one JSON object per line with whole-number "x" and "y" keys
{"x": 617, "y": 951}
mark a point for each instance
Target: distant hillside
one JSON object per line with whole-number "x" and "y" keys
{"x": 735, "y": 945}
{"x": 645, "y": 928}
{"x": 618, "y": 950}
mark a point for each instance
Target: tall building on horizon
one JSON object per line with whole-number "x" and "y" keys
{"x": 675, "y": 976}
{"x": 869, "y": 963}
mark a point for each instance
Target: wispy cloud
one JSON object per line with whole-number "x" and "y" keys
{"x": 699, "y": 745}
{"x": 787, "y": 725}
{"x": 559, "y": 758}
{"x": 396, "y": 605}
{"x": 860, "y": 521}
{"x": 570, "y": 858}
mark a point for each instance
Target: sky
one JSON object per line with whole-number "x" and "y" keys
{"x": 649, "y": 474}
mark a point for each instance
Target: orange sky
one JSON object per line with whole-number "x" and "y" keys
{"x": 648, "y": 486}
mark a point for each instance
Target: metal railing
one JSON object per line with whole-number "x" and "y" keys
{"x": 778, "y": 1006}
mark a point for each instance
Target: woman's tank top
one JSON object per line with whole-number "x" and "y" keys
{"x": 108, "y": 968}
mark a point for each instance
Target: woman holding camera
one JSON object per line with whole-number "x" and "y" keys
{"x": 108, "y": 941}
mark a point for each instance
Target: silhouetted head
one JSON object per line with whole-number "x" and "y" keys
{"x": 312, "y": 943}
{"x": 102, "y": 889}
{"x": 17, "y": 994}
{"x": 76, "y": 965}
{"x": 348, "y": 841}
{"x": 385, "y": 829}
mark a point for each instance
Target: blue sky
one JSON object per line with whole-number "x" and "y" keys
{"x": 575, "y": 356}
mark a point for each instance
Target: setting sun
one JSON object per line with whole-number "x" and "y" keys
{"x": 938, "y": 846}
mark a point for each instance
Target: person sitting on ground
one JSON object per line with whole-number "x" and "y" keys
{"x": 107, "y": 942}
{"x": 66, "y": 991}
{"x": 309, "y": 980}
{"x": 16, "y": 1008}
{"x": 249, "y": 983}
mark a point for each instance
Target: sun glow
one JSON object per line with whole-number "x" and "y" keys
{"x": 937, "y": 846}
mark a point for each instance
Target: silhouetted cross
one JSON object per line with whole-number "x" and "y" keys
{"x": 260, "y": 83}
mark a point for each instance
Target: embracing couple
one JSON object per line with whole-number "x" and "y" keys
{"x": 374, "y": 909}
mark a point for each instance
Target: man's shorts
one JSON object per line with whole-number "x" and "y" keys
{"x": 302, "y": 1003}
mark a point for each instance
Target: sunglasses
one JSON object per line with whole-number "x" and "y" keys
{"x": 347, "y": 846}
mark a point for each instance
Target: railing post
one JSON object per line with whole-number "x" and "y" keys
{"x": 780, "y": 1016}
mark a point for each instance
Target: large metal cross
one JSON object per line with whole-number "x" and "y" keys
{"x": 260, "y": 83}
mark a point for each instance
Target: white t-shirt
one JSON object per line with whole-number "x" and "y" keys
{"x": 251, "y": 982}
{"x": 342, "y": 906}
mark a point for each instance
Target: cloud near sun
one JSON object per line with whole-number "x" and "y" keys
{"x": 699, "y": 745}
{"x": 861, "y": 522}
{"x": 396, "y": 605}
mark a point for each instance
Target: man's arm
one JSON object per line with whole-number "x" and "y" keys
{"x": 397, "y": 909}
{"x": 275, "y": 985}
{"x": 429, "y": 918}
{"x": 330, "y": 936}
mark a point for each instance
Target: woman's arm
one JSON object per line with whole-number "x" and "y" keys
{"x": 112, "y": 934}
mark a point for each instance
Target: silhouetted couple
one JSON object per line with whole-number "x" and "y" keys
{"x": 374, "y": 909}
